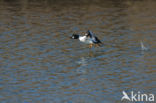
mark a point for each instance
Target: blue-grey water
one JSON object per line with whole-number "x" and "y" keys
{"x": 39, "y": 63}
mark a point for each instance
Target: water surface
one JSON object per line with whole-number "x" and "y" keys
{"x": 39, "y": 63}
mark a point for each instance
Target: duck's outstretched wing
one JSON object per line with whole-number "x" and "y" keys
{"x": 96, "y": 40}
{"x": 93, "y": 37}
{"x": 89, "y": 34}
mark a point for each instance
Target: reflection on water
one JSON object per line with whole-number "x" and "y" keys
{"x": 83, "y": 61}
{"x": 83, "y": 65}
{"x": 40, "y": 64}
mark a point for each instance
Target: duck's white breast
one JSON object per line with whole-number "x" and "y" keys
{"x": 85, "y": 40}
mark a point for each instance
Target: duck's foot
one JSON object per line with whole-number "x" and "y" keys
{"x": 91, "y": 45}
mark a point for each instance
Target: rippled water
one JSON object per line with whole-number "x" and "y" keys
{"x": 39, "y": 63}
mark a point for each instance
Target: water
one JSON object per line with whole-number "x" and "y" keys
{"x": 39, "y": 63}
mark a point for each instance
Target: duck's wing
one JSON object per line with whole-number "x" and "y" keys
{"x": 93, "y": 37}
{"x": 89, "y": 34}
{"x": 96, "y": 40}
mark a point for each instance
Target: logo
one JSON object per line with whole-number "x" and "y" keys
{"x": 137, "y": 96}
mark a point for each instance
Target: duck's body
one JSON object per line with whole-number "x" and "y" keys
{"x": 88, "y": 38}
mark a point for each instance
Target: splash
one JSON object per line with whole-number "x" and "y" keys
{"x": 142, "y": 46}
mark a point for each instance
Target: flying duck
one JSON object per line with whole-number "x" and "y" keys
{"x": 88, "y": 38}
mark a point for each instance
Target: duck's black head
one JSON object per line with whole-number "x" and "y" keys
{"x": 75, "y": 36}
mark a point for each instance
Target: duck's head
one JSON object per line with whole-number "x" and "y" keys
{"x": 75, "y": 36}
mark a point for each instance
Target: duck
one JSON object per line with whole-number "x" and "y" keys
{"x": 88, "y": 38}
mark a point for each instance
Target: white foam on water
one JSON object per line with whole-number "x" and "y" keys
{"x": 142, "y": 46}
